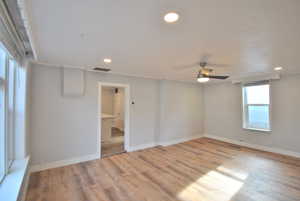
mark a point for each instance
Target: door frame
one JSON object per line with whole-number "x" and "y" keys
{"x": 126, "y": 113}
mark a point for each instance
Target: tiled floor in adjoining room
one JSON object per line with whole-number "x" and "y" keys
{"x": 115, "y": 145}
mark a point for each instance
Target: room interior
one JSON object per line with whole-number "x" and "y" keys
{"x": 149, "y": 100}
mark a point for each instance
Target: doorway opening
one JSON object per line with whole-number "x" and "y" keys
{"x": 114, "y": 119}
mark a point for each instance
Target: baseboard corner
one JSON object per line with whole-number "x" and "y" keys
{"x": 180, "y": 140}
{"x": 256, "y": 146}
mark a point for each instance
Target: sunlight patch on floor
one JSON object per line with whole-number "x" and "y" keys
{"x": 242, "y": 175}
{"x": 214, "y": 185}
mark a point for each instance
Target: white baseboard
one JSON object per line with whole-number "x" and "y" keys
{"x": 61, "y": 163}
{"x": 179, "y": 140}
{"x": 71, "y": 161}
{"x": 255, "y": 146}
{"x": 171, "y": 142}
{"x": 140, "y": 147}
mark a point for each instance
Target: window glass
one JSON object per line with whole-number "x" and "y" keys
{"x": 258, "y": 94}
{"x": 8, "y": 68}
{"x": 10, "y": 110}
{"x": 258, "y": 116}
{"x": 2, "y": 112}
{"x": 257, "y": 107}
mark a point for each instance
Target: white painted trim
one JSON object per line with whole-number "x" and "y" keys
{"x": 24, "y": 188}
{"x": 61, "y": 163}
{"x": 71, "y": 161}
{"x": 180, "y": 140}
{"x": 140, "y": 147}
{"x": 111, "y": 72}
{"x": 12, "y": 185}
{"x": 255, "y": 146}
{"x": 171, "y": 142}
{"x": 126, "y": 113}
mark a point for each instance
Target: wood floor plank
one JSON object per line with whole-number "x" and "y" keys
{"x": 199, "y": 170}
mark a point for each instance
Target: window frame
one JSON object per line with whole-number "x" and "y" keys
{"x": 7, "y": 136}
{"x": 245, "y": 106}
{"x": 3, "y": 119}
{"x": 10, "y": 123}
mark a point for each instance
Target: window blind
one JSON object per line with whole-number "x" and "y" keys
{"x": 261, "y": 82}
{"x": 9, "y": 35}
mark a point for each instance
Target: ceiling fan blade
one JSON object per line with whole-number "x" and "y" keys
{"x": 220, "y": 77}
{"x": 218, "y": 65}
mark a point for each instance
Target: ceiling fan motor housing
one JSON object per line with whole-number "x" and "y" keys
{"x": 205, "y": 71}
{"x": 203, "y": 64}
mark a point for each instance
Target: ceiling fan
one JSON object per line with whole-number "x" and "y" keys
{"x": 205, "y": 73}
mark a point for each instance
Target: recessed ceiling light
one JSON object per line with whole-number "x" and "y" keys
{"x": 203, "y": 79}
{"x": 279, "y": 68}
{"x": 107, "y": 61}
{"x": 171, "y": 17}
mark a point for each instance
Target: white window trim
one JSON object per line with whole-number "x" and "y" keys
{"x": 4, "y": 83}
{"x": 10, "y": 188}
{"x": 245, "y": 111}
{"x": 4, "y": 122}
{"x": 8, "y": 124}
{"x": 16, "y": 171}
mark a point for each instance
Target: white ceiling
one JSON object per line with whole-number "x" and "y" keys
{"x": 252, "y": 36}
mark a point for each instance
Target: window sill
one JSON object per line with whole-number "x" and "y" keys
{"x": 260, "y": 130}
{"x": 12, "y": 183}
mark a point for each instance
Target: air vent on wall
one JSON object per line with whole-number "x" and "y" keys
{"x": 101, "y": 69}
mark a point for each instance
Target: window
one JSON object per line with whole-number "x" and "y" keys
{"x": 2, "y": 113}
{"x": 10, "y": 112}
{"x": 256, "y": 106}
{"x": 7, "y": 110}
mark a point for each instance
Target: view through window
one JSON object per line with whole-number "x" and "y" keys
{"x": 256, "y": 102}
{"x": 7, "y": 110}
{"x": 2, "y": 112}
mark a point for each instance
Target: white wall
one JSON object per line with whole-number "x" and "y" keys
{"x": 66, "y": 127}
{"x": 181, "y": 111}
{"x": 63, "y": 128}
{"x": 108, "y": 100}
{"x": 223, "y": 114}
{"x": 164, "y": 111}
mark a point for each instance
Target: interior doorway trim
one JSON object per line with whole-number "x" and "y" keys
{"x": 126, "y": 113}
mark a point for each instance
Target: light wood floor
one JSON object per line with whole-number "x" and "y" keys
{"x": 203, "y": 169}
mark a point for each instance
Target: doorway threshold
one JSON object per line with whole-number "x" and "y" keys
{"x": 111, "y": 154}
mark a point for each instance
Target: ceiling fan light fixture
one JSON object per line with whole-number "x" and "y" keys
{"x": 171, "y": 17}
{"x": 278, "y": 68}
{"x": 202, "y": 79}
{"x": 107, "y": 60}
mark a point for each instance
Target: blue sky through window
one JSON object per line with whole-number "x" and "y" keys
{"x": 256, "y": 103}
